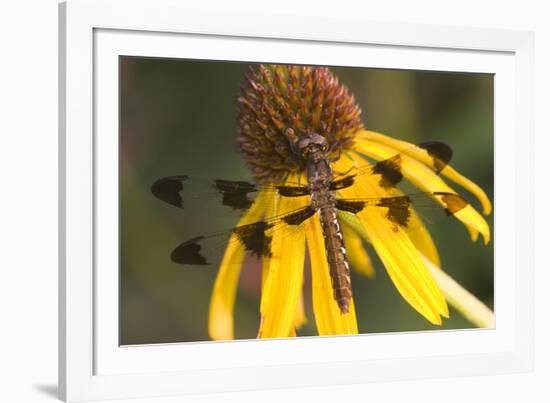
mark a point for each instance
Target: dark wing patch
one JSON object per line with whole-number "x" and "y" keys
{"x": 350, "y": 206}
{"x": 188, "y": 253}
{"x": 293, "y": 191}
{"x": 440, "y": 152}
{"x": 254, "y": 239}
{"x": 342, "y": 183}
{"x": 168, "y": 189}
{"x": 390, "y": 171}
{"x": 399, "y": 211}
{"x": 235, "y": 193}
{"x": 299, "y": 216}
{"x": 453, "y": 202}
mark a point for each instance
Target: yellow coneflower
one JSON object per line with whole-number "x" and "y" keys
{"x": 311, "y": 99}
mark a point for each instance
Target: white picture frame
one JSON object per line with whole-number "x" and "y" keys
{"x": 93, "y": 366}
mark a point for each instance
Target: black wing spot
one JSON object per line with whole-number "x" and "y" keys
{"x": 390, "y": 170}
{"x": 254, "y": 238}
{"x": 453, "y": 202}
{"x": 168, "y": 189}
{"x": 188, "y": 253}
{"x": 293, "y": 191}
{"x": 342, "y": 183}
{"x": 299, "y": 216}
{"x": 399, "y": 212}
{"x": 350, "y": 206}
{"x": 235, "y": 193}
{"x": 441, "y": 154}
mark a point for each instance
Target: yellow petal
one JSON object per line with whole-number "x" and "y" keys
{"x": 426, "y": 179}
{"x": 329, "y": 319}
{"x": 470, "y": 186}
{"x": 448, "y": 172}
{"x": 358, "y": 256}
{"x": 422, "y": 240}
{"x": 300, "y": 318}
{"x": 222, "y": 302}
{"x": 418, "y": 233}
{"x": 398, "y": 253}
{"x": 283, "y": 284}
{"x": 265, "y": 269}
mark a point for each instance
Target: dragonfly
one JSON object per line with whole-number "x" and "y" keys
{"x": 321, "y": 189}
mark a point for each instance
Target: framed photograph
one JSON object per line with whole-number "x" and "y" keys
{"x": 251, "y": 204}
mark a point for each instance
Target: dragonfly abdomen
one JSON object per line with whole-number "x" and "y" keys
{"x": 336, "y": 258}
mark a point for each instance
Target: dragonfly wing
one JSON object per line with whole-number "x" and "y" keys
{"x": 398, "y": 210}
{"x": 206, "y": 195}
{"x": 253, "y": 239}
{"x": 388, "y": 173}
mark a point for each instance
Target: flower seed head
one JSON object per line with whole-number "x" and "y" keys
{"x": 278, "y": 104}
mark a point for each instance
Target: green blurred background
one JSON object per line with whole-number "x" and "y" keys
{"x": 178, "y": 117}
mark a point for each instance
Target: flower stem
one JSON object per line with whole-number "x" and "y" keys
{"x": 461, "y": 299}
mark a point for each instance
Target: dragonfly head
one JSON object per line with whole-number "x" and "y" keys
{"x": 310, "y": 146}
